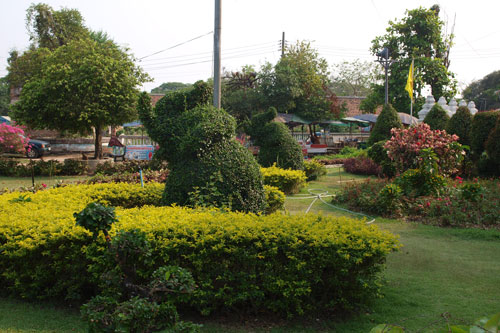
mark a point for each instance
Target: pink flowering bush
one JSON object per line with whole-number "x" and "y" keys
{"x": 12, "y": 139}
{"x": 406, "y": 145}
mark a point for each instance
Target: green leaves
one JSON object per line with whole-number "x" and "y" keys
{"x": 96, "y": 217}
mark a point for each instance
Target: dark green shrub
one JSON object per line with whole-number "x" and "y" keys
{"x": 437, "y": 118}
{"x": 198, "y": 143}
{"x": 109, "y": 168}
{"x": 387, "y": 120}
{"x": 277, "y": 146}
{"x": 96, "y": 217}
{"x": 460, "y": 124}
{"x": 493, "y": 145}
{"x": 314, "y": 170}
{"x": 388, "y": 200}
{"x": 73, "y": 167}
{"x": 482, "y": 124}
{"x": 378, "y": 154}
{"x": 362, "y": 196}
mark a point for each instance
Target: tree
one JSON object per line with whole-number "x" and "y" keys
{"x": 419, "y": 36}
{"x": 460, "y": 124}
{"x": 81, "y": 85}
{"x": 437, "y": 118}
{"x": 298, "y": 83}
{"x": 354, "y": 78}
{"x": 492, "y": 145}
{"x": 387, "y": 120}
{"x": 4, "y": 97}
{"x": 170, "y": 86}
{"x": 485, "y": 92}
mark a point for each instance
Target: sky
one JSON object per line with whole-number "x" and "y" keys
{"x": 252, "y": 30}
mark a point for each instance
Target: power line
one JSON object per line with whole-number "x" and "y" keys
{"x": 177, "y": 45}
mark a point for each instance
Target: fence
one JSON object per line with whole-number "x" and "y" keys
{"x": 129, "y": 140}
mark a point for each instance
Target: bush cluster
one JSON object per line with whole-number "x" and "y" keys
{"x": 437, "y": 118}
{"x": 482, "y": 125}
{"x": 70, "y": 167}
{"x": 362, "y": 165}
{"x": 314, "y": 170}
{"x": 387, "y": 120}
{"x": 129, "y": 177}
{"x": 240, "y": 262}
{"x": 275, "y": 199}
{"x": 288, "y": 181}
{"x": 129, "y": 166}
{"x": 346, "y": 152}
{"x": 460, "y": 124}
{"x": 378, "y": 153}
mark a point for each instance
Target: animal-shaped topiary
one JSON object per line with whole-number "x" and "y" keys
{"x": 207, "y": 165}
{"x": 275, "y": 141}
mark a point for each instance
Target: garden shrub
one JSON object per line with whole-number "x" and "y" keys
{"x": 387, "y": 120}
{"x": 388, "y": 200}
{"x": 346, "y": 152}
{"x": 288, "y": 181}
{"x": 460, "y": 124}
{"x": 406, "y": 146}
{"x": 148, "y": 176}
{"x": 482, "y": 125}
{"x": 198, "y": 143}
{"x": 492, "y": 146}
{"x": 13, "y": 168}
{"x": 12, "y": 139}
{"x": 362, "y": 165}
{"x": 109, "y": 168}
{"x": 240, "y": 262}
{"x": 314, "y": 170}
{"x": 378, "y": 153}
{"x": 275, "y": 199}
{"x": 362, "y": 196}
{"x": 437, "y": 118}
{"x": 277, "y": 145}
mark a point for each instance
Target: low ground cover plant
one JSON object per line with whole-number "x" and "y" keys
{"x": 241, "y": 262}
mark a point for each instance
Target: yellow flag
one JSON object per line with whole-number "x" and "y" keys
{"x": 409, "y": 83}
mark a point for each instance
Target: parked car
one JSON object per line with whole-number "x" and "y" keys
{"x": 37, "y": 148}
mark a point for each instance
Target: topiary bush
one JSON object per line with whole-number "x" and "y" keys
{"x": 482, "y": 125}
{"x": 460, "y": 124}
{"x": 197, "y": 141}
{"x": 288, "y": 181}
{"x": 275, "y": 199}
{"x": 493, "y": 146}
{"x": 387, "y": 120}
{"x": 314, "y": 170}
{"x": 378, "y": 153}
{"x": 277, "y": 146}
{"x": 437, "y": 118}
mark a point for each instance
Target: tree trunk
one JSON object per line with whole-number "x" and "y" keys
{"x": 98, "y": 143}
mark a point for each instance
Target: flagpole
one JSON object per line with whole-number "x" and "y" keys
{"x": 411, "y": 111}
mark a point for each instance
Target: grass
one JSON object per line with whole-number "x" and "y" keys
{"x": 438, "y": 270}
{"x": 15, "y": 182}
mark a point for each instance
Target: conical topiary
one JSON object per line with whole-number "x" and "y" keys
{"x": 387, "y": 120}
{"x": 482, "y": 125}
{"x": 493, "y": 146}
{"x": 437, "y": 119}
{"x": 460, "y": 124}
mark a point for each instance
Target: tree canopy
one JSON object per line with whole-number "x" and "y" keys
{"x": 485, "y": 92}
{"x": 420, "y": 36}
{"x": 170, "y": 86}
{"x": 4, "y": 97}
{"x": 82, "y": 85}
{"x": 354, "y": 78}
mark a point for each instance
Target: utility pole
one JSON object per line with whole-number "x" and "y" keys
{"x": 217, "y": 31}
{"x": 283, "y": 45}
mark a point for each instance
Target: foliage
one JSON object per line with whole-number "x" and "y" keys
{"x": 23, "y": 67}
{"x": 492, "y": 145}
{"x": 314, "y": 170}
{"x": 361, "y": 165}
{"x": 482, "y": 125}
{"x": 275, "y": 199}
{"x": 354, "y": 78}
{"x": 460, "y": 124}
{"x": 170, "y": 86}
{"x": 277, "y": 146}
{"x": 274, "y": 263}
{"x": 417, "y": 182}
{"x": 388, "y": 200}
{"x": 386, "y": 121}
{"x": 378, "y": 153}
{"x": 70, "y": 167}
{"x": 108, "y": 168}
{"x": 96, "y": 217}
{"x": 406, "y": 146}
{"x": 346, "y": 152}
{"x": 199, "y": 146}
{"x": 81, "y": 85}
{"x": 287, "y": 180}
{"x": 298, "y": 83}
{"x": 12, "y": 139}
{"x": 437, "y": 118}
{"x": 362, "y": 196}
{"x": 418, "y": 36}
{"x": 148, "y": 176}
{"x": 485, "y": 92}
{"x": 4, "y": 96}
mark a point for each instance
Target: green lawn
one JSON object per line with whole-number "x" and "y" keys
{"x": 438, "y": 270}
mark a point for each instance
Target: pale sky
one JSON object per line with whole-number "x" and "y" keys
{"x": 252, "y": 29}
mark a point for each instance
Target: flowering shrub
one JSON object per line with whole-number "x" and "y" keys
{"x": 12, "y": 139}
{"x": 362, "y": 196}
{"x": 405, "y": 146}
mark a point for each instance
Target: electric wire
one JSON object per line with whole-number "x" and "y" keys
{"x": 177, "y": 45}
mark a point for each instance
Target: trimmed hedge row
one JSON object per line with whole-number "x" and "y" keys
{"x": 274, "y": 263}
{"x": 287, "y": 180}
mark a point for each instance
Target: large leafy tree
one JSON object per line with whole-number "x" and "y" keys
{"x": 420, "y": 36}
{"x": 170, "y": 86}
{"x": 82, "y": 85}
{"x": 4, "y": 97}
{"x": 354, "y": 78}
{"x": 299, "y": 83}
{"x": 485, "y": 92}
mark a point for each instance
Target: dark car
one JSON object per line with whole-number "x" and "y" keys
{"x": 37, "y": 148}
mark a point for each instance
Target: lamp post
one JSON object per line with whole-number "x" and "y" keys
{"x": 383, "y": 59}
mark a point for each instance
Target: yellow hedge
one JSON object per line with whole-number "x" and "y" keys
{"x": 274, "y": 263}
{"x": 287, "y": 180}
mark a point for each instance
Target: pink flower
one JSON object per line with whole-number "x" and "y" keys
{"x": 44, "y": 185}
